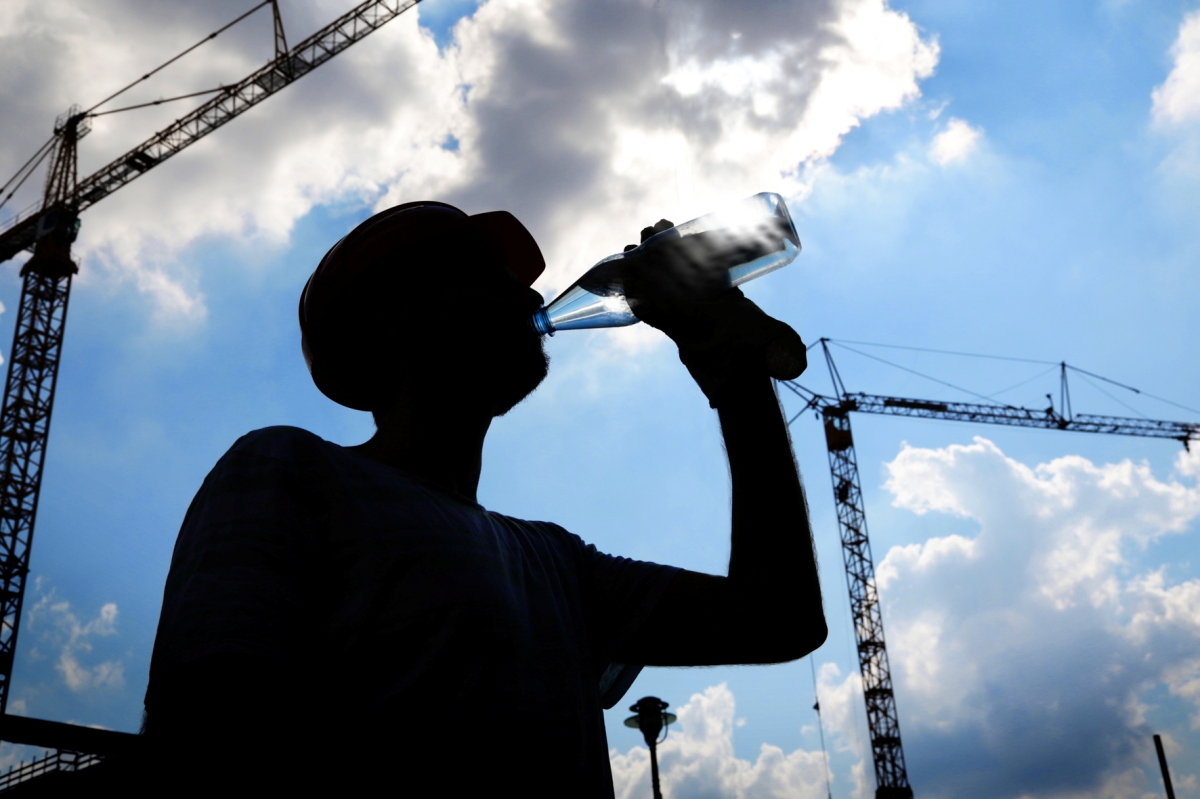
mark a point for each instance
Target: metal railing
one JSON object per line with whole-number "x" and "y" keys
{"x": 21, "y": 216}
{"x": 59, "y": 760}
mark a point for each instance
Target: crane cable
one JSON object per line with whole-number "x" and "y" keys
{"x": 36, "y": 159}
{"x": 915, "y": 372}
{"x": 941, "y": 352}
{"x": 820, "y": 725}
{"x": 158, "y": 102}
{"x": 27, "y": 168}
{"x": 166, "y": 64}
{"x": 1082, "y": 372}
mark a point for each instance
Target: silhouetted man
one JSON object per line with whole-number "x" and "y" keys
{"x": 350, "y": 619}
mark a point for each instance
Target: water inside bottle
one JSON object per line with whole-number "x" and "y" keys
{"x": 750, "y": 239}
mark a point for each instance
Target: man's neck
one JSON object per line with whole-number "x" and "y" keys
{"x": 441, "y": 442}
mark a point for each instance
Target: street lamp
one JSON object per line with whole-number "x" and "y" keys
{"x": 652, "y": 718}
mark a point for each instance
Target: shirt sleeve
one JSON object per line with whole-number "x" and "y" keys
{"x": 620, "y": 594}
{"x": 237, "y": 582}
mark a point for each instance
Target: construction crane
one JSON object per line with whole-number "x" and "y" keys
{"x": 891, "y": 773}
{"x": 49, "y": 228}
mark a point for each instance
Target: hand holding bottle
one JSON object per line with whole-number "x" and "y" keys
{"x": 682, "y": 279}
{"x": 750, "y": 239}
{"x": 682, "y": 287}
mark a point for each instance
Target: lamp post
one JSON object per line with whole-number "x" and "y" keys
{"x": 652, "y": 717}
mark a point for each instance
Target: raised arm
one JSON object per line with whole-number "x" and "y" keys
{"x": 768, "y": 608}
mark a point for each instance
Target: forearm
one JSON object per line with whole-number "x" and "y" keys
{"x": 768, "y": 609}
{"x": 771, "y": 551}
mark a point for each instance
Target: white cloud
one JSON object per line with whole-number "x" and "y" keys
{"x": 1177, "y": 100}
{"x": 57, "y": 626}
{"x": 697, "y": 759}
{"x": 677, "y": 121}
{"x": 1183, "y": 680}
{"x": 587, "y": 119}
{"x": 1083, "y": 513}
{"x": 1188, "y": 462}
{"x": 1040, "y": 633}
{"x": 922, "y": 557}
{"x": 1159, "y": 605}
{"x": 954, "y": 144}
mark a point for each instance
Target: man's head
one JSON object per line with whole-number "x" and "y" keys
{"x": 422, "y": 300}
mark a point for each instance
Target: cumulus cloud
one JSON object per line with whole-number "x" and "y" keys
{"x": 1177, "y": 100}
{"x": 954, "y": 144}
{"x": 1033, "y": 642}
{"x": 57, "y": 627}
{"x": 697, "y": 759}
{"x": 700, "y": 103}
{"x": 586, "y": 118}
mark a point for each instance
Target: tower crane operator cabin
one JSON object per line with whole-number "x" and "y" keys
{"x": 361, "y": 595}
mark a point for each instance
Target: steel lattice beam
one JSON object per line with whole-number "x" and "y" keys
{"x": 240, "y": 97}
{"x": 24, "y": 430}
{"x": 1020, "y": 417}
{"x": 234, "y": 100}
{"x": 891, "y": 776}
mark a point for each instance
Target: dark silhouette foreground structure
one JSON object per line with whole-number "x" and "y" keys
{"x": 80, "y": 760}
{"x": 364, "y": 590}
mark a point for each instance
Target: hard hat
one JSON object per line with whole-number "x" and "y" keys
{"x": 359, "y": 280}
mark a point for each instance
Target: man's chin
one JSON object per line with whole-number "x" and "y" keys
{"x": 513, "y": 384}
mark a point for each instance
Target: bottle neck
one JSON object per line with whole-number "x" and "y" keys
{"x": 541, "y": 322}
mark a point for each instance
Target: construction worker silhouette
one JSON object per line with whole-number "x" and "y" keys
{"x": 350, "y": 619}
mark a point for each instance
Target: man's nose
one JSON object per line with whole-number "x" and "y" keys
{"x": 534, "y": 299}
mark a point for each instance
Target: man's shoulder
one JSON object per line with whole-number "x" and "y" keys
{"x": 529, "y": 525}
{"x": 263, "y": 461}
{"x": 283, "y": 443}
{"x": 276, "y": 450}
{"x": 547, "y": 532}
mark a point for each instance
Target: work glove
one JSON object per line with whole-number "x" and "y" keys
{"x": 681, "y": 286}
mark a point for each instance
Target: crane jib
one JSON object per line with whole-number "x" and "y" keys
{"x": 235, "y": 99}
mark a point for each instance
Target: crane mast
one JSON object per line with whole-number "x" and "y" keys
{"x": 46, "y": 277}
{"x": 891, "y": 773}
{"x": 32, "y": 375}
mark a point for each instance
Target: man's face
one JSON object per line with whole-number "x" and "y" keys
{"x": 484, "y": 333}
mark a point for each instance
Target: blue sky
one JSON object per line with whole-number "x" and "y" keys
{"x": 985, "y": 177}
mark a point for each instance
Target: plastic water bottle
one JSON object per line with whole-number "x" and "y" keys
{"x": 754, "y": 237}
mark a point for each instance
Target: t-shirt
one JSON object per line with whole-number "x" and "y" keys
{"x": 428, "y": 630}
